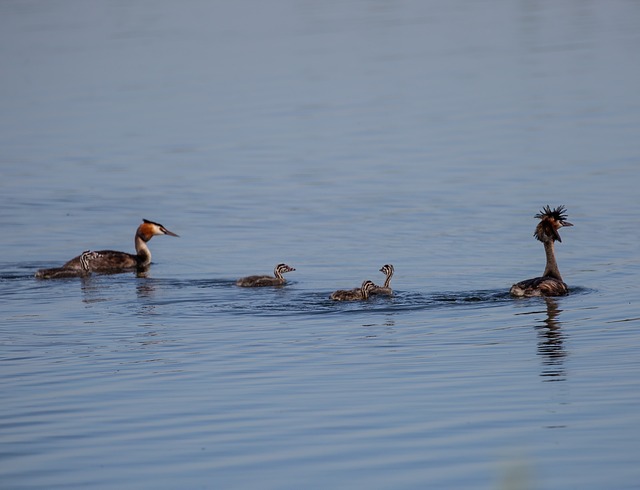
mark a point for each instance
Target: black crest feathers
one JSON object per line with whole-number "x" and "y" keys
{"x": 558, "y": 214}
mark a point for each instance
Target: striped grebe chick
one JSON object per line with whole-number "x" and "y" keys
{"x": 358, "y": 294}
{"x": 261, "y": 281}
{"x": 81, "y": 268}
{"x": 551, "y": 283}
{"x": 111, "y": 261}
{"x": 386, "y": 269}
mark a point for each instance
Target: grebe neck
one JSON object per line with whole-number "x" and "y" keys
{"x": 142, "y": 251}
{"x": 387, "y": 281}
{"x": 551, "y": 270}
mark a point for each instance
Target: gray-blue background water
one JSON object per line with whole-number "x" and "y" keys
{"x": 336, "y": 137}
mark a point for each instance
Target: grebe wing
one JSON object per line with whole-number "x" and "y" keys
{"x": 257, "y": 281}
{"x": 381, "y": 290}
{"x": 346, "y": 294}
{"x": 539, "y": 286}
{"x": 110, "y": 260}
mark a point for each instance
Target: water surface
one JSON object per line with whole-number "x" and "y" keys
{"x": 335, "y": 137}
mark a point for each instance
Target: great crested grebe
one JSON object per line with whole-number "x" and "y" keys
{"x": 111, "y": 261}
{"x": 81, "y": 268}
{"x": 550, "y": 284}
{"x": 261, "y": 281}
{"x": 386, "y": 289}
{"x": 361, "y": 293}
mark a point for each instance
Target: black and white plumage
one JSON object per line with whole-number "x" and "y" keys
{"x": 386, "y": 269}
{"x": 111, "y": 261}
{"x": 550, "y": 283}
{"x": 357, "y": 294}
{"x": 261, "y": 281}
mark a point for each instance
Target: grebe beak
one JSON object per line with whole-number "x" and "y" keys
{"x": 167, "y": 232}
{"x": 566, "y": 223}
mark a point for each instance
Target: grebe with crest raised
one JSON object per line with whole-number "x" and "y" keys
{"x": 386, "y": 269}
{"x": 261, "y": 281}
{"x": 551, "y": 283}
{"x": 357, "y": 294}
{"x": 111, "y": 261}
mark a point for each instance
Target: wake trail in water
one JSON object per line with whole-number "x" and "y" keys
{"x": 223, "y": 296}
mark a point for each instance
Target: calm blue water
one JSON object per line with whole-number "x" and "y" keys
{"x": 336, "y": 137}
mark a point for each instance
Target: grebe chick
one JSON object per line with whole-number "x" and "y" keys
{"x": 551, "y": 283}
{"x": 358, "y": 294}
{"x": 261, "y": 281}
{"x": 111, "y": 261}
{"x": 386, "y": 289}
{"x": 80, "y": 269}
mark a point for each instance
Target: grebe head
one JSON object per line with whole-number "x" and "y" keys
{"x": 551, "y": 220}
{"x": 387, "y": 269}
{"x": 283, "y": 268}
{"x": 367, "y": 287}
{"x": 85, "y": 259}
{"x": 149, "y": 229}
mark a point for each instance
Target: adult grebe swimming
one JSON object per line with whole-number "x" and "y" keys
{"x": 111, "y": 261}
{"x": 386, "y": 289}
{"x": 261, "y": 281}
{"x": 550, "y": 284}
{"x": 361, "y": 293}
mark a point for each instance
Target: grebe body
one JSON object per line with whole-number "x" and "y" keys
{"x": 261, "y": 281}
{"x": 386, "y": 269}
{"x": 550, "y": 283}
{"x": 539, "y": 286}
{"x": 358, "y": 294}
{"x": 111, "y": 261}
{"x": 81, "y": 268}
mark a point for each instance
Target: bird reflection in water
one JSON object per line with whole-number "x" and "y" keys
{"x": 92, "y": 292}
{"x": 551, "y": 344}
{"x": 145, "y": 289}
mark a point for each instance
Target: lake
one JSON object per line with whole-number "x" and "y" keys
{"x": 335, "y": 137}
